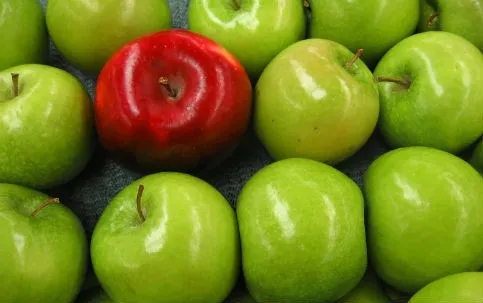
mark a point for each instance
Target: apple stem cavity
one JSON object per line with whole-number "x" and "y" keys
{"x": 357, "y": 55}
{"x": 432, "y": 18}
{"x": 236, "y": 5}
{"x": 15, "y": 84}
{"x": 50, "y": 201}
{"x": 138, "y": 203}
{"x": 399, "y": 81}
{"x": 164, "y": 81}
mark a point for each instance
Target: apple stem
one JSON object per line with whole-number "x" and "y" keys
{"x": 165, "y": 83}
{"x": 15, "y": 84}
{"x": 50, "y": 201}
{"x": 306, "y": 3}
{"x": 432, "y": 18}
{"x": 358, "y": 54}
{"x": 138, "y": 202}
{"x": 236, "y": 5}
{"x": 400, "y": 81}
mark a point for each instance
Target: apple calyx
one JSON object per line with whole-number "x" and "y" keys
{"x": 400, "y": 81}
{"x": 172, "y": 92}
{"x": 15, "y": 84}
{"x": 50, "y": 201}
{"x": 432, "y": 18}
{"x": 138, "y": 203}
{"x": 357, "y": 55}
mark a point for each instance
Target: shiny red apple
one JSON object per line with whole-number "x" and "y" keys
{"x": 172, "y": 100}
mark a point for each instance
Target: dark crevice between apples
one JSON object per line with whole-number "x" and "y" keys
{"x": 139, "y": 205}
{"x": 50, "y": 201}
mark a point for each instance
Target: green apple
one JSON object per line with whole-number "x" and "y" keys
{"x": 463, "y": 17}
{"x": 462, "y": 287}
{"x": 424, "y": 211}
{"x": 167, "y": 237}
{"x": 477, "y": 157}
{"x": 372, "y": 25}
{"x": 302, "y": 233}
{"x": 315, "y": 100}
{"x": 44, "y": 248}
{"x": 88, "y": 32}
{"x": 254, "y": 31}
{"x": 431, "y": 93}
{"x": 23, "y": 35}
{"x": 46, "y": 126}
{"x": 369, "y": 290}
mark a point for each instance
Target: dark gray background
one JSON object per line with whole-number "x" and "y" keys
{"x": 89, "y": 193}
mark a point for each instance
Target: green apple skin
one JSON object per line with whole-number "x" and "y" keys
{"x": 462, "y": 287}
{"x": 464, "y": 18}
{"x": 443, "y": 107}
{"x": 187, "y": 250}
{"x": 88, "y": 32}
{"x": 44, "y": 257}
{"x": 372, "y": 25}
{"x": 23, "y": 33}
{"x": 255, "y": 31}
{"x": 369, "y": 290}
{"x": 477, "y": 157}
{"x": 302, "y": 233}
{"x": 423, "y": 217}
{"x": 47, "y": 130}
{"x": 308, "y": 105}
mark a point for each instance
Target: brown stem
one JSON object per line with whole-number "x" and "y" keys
{"x": 306, "y": 3}
{"x": 358, "y": 54}
{"x": 432, "y": 18}
{"x": 138, "y": 202}
{"x": 164, "y": 81}
{"x": 50, "y": 201}
{"x": 236, "y": 5}
{"x": 399, "y": 81}
{"x": 15, "y": 84}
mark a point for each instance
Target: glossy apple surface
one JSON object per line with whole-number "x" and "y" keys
{"x": 463, "y": 17}
{"x": 302, "y": 233}
{"x": 46, "y": 130}
{"x": 440, "y": 103}
{"x": 43, "y": 253}
{"x": 369, "y": 290}
{"x": 89, "y": 32}
{"x": 23, "y": 37}
{"x": 462, "y": 287}
{"x": 254, "y": 31}
{"x": 477, "y": 157}
{"x": 372, "y": 25}
{"x": 424, "y": 219}
{"x": 309, "y": 105}
{"x": 186, "y": 250}
{"x": 199, "y": 114}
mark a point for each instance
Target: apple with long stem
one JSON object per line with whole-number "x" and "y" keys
{"x": 167, "y": 237}
{"x": 172, "y": 100}
{"x": 44, "y": 248}
{"x": 429, "y": 96}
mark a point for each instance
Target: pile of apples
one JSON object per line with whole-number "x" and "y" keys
{"x": 314, "y": 80}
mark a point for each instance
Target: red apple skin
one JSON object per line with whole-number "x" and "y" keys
{"x": 143, "y": 125}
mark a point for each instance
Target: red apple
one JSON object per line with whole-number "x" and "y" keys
{"x": 172, "y": 100}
